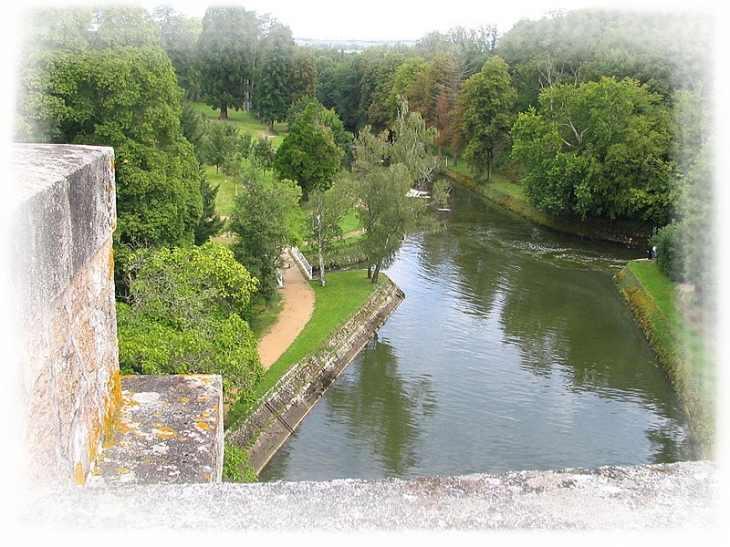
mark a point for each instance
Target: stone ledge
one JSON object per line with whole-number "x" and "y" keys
{"x": 168, "y": 430}
{"x": 679, "y": 497}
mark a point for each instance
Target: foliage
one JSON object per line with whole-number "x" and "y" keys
{"x": 126, "y": 98}
{"x": 598, "y": 149}
{"x": 309, "y": 154}
{"x": 485, "y": 110}
{"x": 264, "y": 221}
{"x": 236, "y": 465}
{"x": 186, "y": 313}
{"x": 210, "y": 223}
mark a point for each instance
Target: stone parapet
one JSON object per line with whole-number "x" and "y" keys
{"x": 63, "y": 276}
{"x": 168, "y": 430}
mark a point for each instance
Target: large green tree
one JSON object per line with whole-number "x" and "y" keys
{"x": 262, "y": 225}
{"x": 273, "y": 93}
{"x": 485, "y": 110}
{"x": 309, "y": 154}
{"x": 126, "y": 98}
{"x": 386, "y": 166}
{"x": 598, "y": 149}
{"x": 227, "y": 49}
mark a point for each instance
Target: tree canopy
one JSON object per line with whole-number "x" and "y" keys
{"x": 600, "y": 149}
{"x": 126, "y": 98}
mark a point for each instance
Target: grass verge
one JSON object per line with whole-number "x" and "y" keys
{"x": 345, "y": 294}
{"x": 681, "y": 350}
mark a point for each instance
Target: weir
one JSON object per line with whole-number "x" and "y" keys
{"x": 71, "y": 396}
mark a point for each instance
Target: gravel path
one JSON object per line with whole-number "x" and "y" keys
{"x": 298, "y": 304}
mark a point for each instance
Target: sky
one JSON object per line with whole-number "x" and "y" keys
{"x": 409, "y": 19}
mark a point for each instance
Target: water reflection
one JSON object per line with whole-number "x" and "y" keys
{"x": 382, "y": 410}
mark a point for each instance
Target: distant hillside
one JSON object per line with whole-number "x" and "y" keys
{"x": 350, "y": 45}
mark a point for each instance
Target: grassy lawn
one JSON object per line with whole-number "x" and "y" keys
{"x": 335, "y": 304}
{"x": 244, "y": 121}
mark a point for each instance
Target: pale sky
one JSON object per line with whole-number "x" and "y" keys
{"x": 397, "y": 20}
{"x": 410, "y": 19}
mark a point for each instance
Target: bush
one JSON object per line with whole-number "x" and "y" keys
{"x": 666, "y": 239}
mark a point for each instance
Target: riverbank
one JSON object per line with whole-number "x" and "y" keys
{"x": 266, "y": 424}
{"x": 681, "y": 350}
{"x": 511, "y": 197}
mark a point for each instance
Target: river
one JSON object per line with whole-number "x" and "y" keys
{"x": 512, "y": 350}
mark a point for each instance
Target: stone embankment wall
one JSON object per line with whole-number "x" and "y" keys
{"x": 63, "y": 276}
{"x": 286, "y": 404}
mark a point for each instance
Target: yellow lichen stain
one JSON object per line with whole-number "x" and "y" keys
{"x": 202, "y": 425}
{"x": 112, "y": 163}
{"x": 206, "y": 379}
{"x": 166, "y": 433}
{"x": 184, "y": 399}
{"x": 122, "y": 470}
{"x": 202, "y": 399}
{"x": 79, "y": 477}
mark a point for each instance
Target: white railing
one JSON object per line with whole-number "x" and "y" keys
{"x": 302, "y": 261}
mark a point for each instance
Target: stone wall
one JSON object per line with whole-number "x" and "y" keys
{"x": 285, "y": 405}
{"x": 63, "y": 276}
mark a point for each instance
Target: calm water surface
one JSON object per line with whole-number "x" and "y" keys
{"x": 512, "y": 350}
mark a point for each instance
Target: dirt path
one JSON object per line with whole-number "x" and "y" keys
{"x": 297, "y": 307}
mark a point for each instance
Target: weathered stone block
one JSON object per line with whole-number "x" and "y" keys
{"x": 168, "y": 430}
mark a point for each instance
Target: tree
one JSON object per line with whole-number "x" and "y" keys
{"x": 210, "y": 223}
{"x": 179, "y": 38}
{"x": 309, "y": 154}
{"x": 260, "y": 221}
{"x": 303, "y": 77}
{"x": 485, "y": 106}
{"x": 228, "y": 49}
{"x": 221, "y": 141}
{"x": 126, "y": 98}
{"x": 327, "y": 209}
{"x": 598, "y": 149}
{"x": 187, "y": 313}
{"x": 261, "y": 154}
{"x": 383, "y": 174}
{"x": 273, "y": 93}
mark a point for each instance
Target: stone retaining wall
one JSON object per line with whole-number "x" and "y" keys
{"x": 286, "y": 404}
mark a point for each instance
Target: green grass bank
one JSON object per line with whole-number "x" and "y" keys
{"x": 345, "y": 295}
{"x": 681, "y": 350}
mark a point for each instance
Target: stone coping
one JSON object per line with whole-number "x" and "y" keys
{"x": 167, "y": 430}
{"x": 678, "y": 497}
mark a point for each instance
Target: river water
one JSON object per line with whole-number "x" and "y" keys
{"x": 512, "y": 350}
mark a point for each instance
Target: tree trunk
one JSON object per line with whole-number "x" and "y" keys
{"x": 224, "y": 113}
{"x": 370, "y": 271}
{"x": 376, "y": 273}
